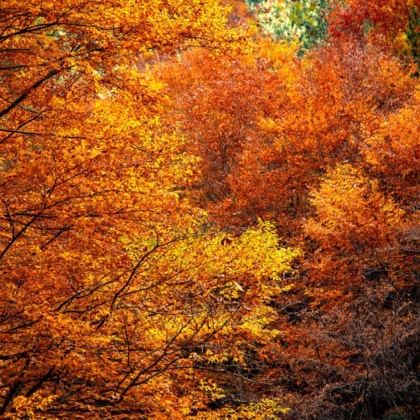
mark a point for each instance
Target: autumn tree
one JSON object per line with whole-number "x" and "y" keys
{"x": 392, "y": 24}
{"x": 266, "y": 127}
{"x": 325, "y": 145}
{"x": 197, "y": 221}
{"x": 356, "y": 227}
{"x": 113, "y": 283}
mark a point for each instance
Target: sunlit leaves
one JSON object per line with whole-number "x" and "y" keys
{"x": 351, "y": 212}
{"x": 191, "y": 215}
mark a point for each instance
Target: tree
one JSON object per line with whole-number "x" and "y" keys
{"x": 200, "y": 222}
{"x": 323, "y": 145}
{"x": 356, "y": 227}
{"x": 266, "y": 126}
{"x": 392, "y": 151}
{"x": 394, "y": 24}
{"x": 111, "y": 279}
{"x": 303, "y": 22}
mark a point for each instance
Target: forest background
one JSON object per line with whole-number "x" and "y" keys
{"x": 209, "y": 209}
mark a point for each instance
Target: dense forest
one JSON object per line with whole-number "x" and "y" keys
{"x": 208, "y": 209}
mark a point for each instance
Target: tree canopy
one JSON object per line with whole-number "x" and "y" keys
{"x": 209, "y": 209}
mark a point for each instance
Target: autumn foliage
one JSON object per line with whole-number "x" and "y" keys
{"x": 199, "y": 221}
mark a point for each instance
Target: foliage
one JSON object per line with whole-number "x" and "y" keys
{"x": 198, "y": 221}
{"x": 303, "y": 22}
{"x": 110, "y": 276}
{"x": 326, "y": 146}
{"x": 394, "y": 24}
